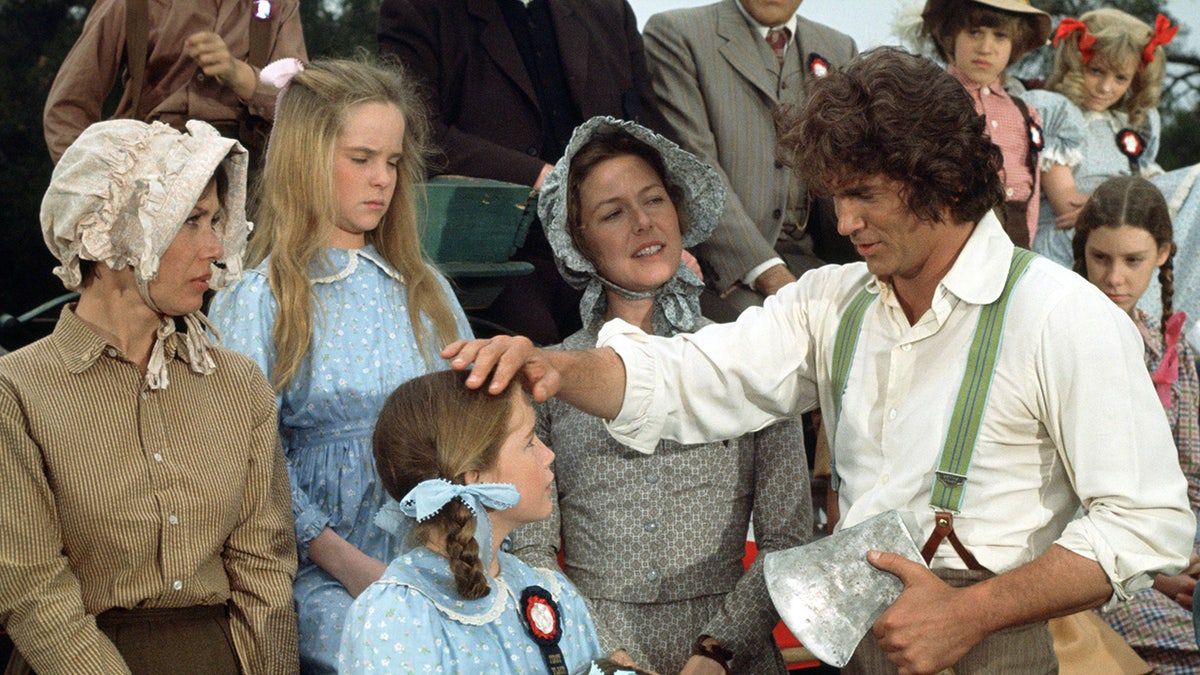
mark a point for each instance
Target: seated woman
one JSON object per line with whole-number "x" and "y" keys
{"x": 655, "y": 542}
{"x": 144, "y": 498}
{"x": 1123, "y": 236}
{"x": 466, "y": 468}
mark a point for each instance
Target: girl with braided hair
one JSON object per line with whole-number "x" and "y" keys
{"x": 466, "y": 469}
{"x": 1123, "y": 234}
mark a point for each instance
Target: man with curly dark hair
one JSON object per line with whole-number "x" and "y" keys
{"x": 985, "y": 390}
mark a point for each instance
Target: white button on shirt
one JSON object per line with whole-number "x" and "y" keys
{"x": 1071, "y": 397}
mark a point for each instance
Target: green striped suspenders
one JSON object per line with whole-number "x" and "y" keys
{"x": 951, "y": 472}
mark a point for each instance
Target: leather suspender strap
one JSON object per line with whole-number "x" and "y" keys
{"x": 844, "y": 345}
{"x": 951, "y": 475}
{"x": 260, "y": 40}
{"x": 1034, "y": 133}
{"x": 137, "y": 36}
{"x": 943, "y": 528}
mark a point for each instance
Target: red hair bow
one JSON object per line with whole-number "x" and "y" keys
{"x": 1168, "y": 369}
{"x": 1086, "y": 40}
{"x": 1164, "y": 32}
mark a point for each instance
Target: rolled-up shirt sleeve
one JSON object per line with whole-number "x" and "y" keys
{"x": 1100, "y": 410}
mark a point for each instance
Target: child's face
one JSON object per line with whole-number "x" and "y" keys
{"x": 981, "y": 53}
{"x": 524, "y": 462}
{"x": 365, "y": 161}
{"x": 1105, "y": 82}
{"x": 1121, "y": 261}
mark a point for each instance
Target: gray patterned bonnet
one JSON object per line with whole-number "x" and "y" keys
{"x": 677, "y": 302}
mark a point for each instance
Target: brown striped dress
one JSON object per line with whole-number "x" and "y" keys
{"x": 113, "y": 495}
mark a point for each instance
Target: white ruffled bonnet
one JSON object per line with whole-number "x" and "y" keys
{"x": 120, "y": 194}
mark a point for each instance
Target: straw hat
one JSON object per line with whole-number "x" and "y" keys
{"x": 936, "y": 13}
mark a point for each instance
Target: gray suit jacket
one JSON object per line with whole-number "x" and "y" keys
{"x": 718, "y": 84}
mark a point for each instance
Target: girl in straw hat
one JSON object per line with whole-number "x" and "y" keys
{"x": 979, "y": 39}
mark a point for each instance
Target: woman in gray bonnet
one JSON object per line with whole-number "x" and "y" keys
{"x": 655, "y": 542}
{"x": 144, "y": 499}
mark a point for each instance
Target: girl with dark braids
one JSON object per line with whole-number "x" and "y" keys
{"x": 1123, "y": 234}
{"x": 465, "y": 468}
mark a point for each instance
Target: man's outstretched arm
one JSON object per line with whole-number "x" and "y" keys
{"x": 592, "y": 380}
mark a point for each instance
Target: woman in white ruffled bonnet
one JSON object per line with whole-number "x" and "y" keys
{"x": 144, "y": 498}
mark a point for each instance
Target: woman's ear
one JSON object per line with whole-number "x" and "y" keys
{"x": 471, "y": 477}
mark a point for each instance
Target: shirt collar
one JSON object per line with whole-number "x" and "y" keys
{"x": 790, "y": 24}
{"x": 80, "y": 347}
{"x": 979, "y": 273}
{"x": 996, "y": 87}
{"x": 340, "y": 263}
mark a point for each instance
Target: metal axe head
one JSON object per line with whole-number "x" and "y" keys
{"x": 828, "y": 594}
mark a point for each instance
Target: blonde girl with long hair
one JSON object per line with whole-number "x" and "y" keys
{"x": 1099, "y": 112}
{"x": 339, "y": 308}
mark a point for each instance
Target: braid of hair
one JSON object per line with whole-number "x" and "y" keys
{"x": 1166, "y": 279}
{"x": 463, "y": 551}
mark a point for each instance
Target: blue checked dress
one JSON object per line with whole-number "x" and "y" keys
{"x": 413, "y": 621}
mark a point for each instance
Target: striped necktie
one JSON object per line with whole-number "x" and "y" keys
{"x": 778, "y": 39}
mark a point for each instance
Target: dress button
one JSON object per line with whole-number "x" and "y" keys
{"x": 995, "y": 124}
{"x": 172, "y": 520}
{"x": 777, "y": 213}
{"x": 112, "y": 353}
{"x": 145, "y": 396}
{"x": 200, "y": 76}
{"x": 652, "y": 478}
{"x": 892, "y": 414}
{"x": 531, "y": 151}
{"x": 652, "y": 575}
{"x": 907, "y": 347}
{"x": 1008, "y": 192}
{"x": 651, "y": 527}
{"x": 157, "y": 457}
{"x": 985, "y": 91}
{"x": 177, "y": 584}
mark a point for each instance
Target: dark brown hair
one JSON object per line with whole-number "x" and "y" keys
{"x": 604, "y": 146}
{"x": 1132, "y": 201}
{"x": 965, "y": 15}
{"x": 433, "y": 426}
{"x": 891, "y": 114}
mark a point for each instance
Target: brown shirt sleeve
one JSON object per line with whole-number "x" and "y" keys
{"x": 260, "y": 553}
{"x": 86, "y": 77}
{"x": 41, "y": 605}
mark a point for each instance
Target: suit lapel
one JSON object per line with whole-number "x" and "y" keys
{"x": 739, "y": 46}
{"x": 809, "y": 41}
{"x": 572, "y": 38}
{"x": 497, "y": 41}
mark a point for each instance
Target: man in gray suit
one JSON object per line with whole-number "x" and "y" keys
{"x": 718, "y": 97}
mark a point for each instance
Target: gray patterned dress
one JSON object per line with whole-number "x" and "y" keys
{"x": 655, "y": 542}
